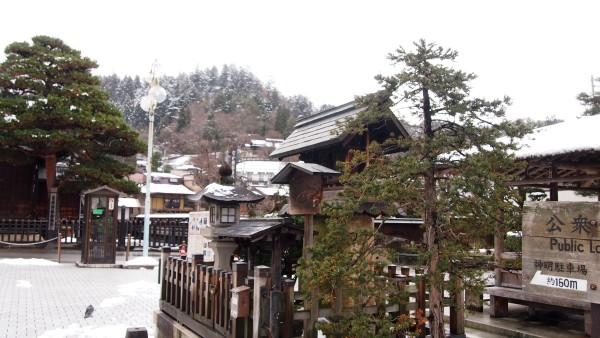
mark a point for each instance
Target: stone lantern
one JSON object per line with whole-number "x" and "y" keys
{"x": 223, "y": 202}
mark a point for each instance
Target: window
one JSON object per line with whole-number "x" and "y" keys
{"x": 213, "y": 210}
{"x": 188, "y": 204}
{"x": 227, "y": 215}
{"x": 171, "y": 203}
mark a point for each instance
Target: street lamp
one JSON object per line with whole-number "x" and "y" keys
{"x": 156, "y": 95}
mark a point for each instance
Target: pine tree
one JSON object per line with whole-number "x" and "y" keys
{"x": 281, "y": 120}
{"x": 590, "y": 100}
{"x": 451, "y": 174}
{"x": 54, "y": 109}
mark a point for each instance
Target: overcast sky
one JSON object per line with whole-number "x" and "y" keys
{"x": 540, "y": 53}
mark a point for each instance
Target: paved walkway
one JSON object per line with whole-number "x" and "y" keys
{"x": 49, "y": 300}
{"x": 39, "y": 298}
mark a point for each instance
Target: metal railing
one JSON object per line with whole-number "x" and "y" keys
{"x": 163, "y": 232}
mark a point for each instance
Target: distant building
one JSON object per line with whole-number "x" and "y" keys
{"x": 257, "y": 173}
{"x": 168, "y": 194}
{"x": 266, "y": 143}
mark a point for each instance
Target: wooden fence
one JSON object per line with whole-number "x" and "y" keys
{"x": 163, "y": 232}
{"x": 203, "y": 299}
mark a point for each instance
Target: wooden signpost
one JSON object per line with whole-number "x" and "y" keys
{"x": 561, "y": 256}
{"x": 561, "y": 250}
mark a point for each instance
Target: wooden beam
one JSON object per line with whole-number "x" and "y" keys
{"x": 554, "y": 185}
{"x": 552, "y": 180}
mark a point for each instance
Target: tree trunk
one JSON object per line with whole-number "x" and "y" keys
{"x": 50, "y": 172}
{"x": 436, "y": 308}
{"x": 432, "y": 227}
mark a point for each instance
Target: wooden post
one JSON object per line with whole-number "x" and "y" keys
{"x": 276, "y": 262}
{"x": 214, "y": 292}
{"x": 59, "y": 240}
{"x": 197, "y": 259}
{"x": 240, "y": 272}
{"x": 553, "y": 185}
{"x": 308, "y": 235}
{"x": 288, "y": 322}
{"x": 274, "y": 313}
{"x": 391, "y": 272}
{"x": 164, "y": 261}
{"x": 498, "y": 307}
{"x": 309, "y": 325}
{"x": 238, "y": 325}
{"x": 127, "y": 249}
{"x": 498, "y": 250}
{"x": 592, "y": 321}
{"x": 421, "y": 296}
{"x": 260, "y": 311}
{"x": 402, "y": 308}
{"x": 421, "y": 292}
{"x": 457, "y": 309}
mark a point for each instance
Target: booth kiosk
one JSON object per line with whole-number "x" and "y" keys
{"x": 99, "y": 233}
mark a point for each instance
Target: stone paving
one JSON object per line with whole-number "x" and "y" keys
{"x": 49, "y": 300}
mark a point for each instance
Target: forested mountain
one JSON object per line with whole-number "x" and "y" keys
{"x": 209, "y": 110}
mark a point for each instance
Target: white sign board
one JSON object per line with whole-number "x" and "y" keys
{"x": 197, "y": 243}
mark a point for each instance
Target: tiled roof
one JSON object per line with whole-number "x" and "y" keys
{"x": 315, "y": 131}
{"x": 323, "y": 130}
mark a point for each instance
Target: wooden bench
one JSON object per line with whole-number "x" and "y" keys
{"x": 501, "y": 296}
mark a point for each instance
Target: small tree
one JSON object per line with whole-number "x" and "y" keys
{"x": 52, "y": 108}
{"x": 590, "y": 100}
{"x": 451, "y": 174}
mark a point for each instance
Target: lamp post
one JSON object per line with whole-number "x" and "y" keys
{"x": 156, "y": 95}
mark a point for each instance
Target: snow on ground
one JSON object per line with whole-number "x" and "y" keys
{"x": 142, "y": 261}
{"x": 75, "y": 330}
{"x": 27, "y": 261}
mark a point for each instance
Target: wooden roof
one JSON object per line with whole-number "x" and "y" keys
{"x": 255, "y": 228}
{"x": 284, "y": 176}
{"x": 564, "y": 156}
{"x": 318, "y": 131}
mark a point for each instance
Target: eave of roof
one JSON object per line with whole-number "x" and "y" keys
{"x": 283, "y": 177}
{"x": 255, "y": 228}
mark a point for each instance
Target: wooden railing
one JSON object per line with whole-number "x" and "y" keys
{"x": 199, "y": 297}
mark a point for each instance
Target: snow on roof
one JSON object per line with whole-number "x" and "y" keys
{"x": 219, "y": 190}
{"x": 187, "y": 167}
{"x": 259, "y": 166}
{"x": 128, "y": 202}
{"x": 560, "y": 138}
{"x": 270, "y": 191}
{"x": 180, "y": 160}
{"x": 174, "y": 189}
{"x": 215, "y": 191}
{"x": 165, "y": 175}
